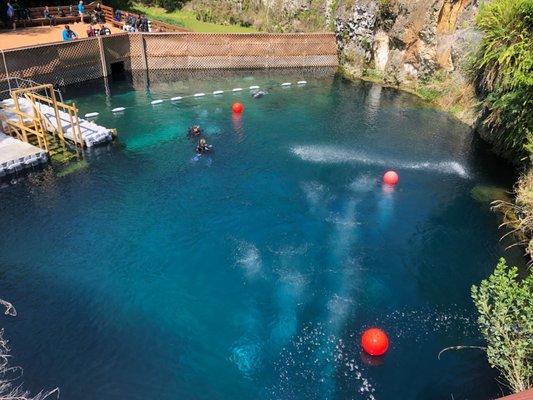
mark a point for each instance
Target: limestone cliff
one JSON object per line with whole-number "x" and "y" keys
{"x": 420, "y": 44}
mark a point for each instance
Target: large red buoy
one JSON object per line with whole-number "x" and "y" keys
{"x": 391, "y": 178}
{"x": 375, "y": 342}
{"x": 237, "y": 108}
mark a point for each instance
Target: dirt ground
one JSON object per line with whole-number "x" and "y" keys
{"x": 10, "y": 39}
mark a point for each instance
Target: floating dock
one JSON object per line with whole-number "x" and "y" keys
{"x": 36, "y": 126}
{"x": 91, "y": 133}
{"x": 16, "y": 155}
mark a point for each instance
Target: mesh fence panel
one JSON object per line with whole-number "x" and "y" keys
{"x": 204, "y": 50}
{"x": 81, "y": 60}
{"x": 117, "y": 49}
{"x": 62, "y": 63}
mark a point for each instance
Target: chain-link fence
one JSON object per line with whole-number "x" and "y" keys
{"x": 86, "y": 59}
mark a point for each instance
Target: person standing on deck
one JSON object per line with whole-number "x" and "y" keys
{"x": 10, "y": 12}
{"x": 81, "y": 10}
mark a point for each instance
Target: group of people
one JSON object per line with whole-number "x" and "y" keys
{"x": 17, "y": 12}
{"x": 69, "y": 34}
{"x": 102, "y": 31}
{"x": 136, "y": 23}
{"x": 62, "y": 13}
{"x": 195, "y": 132}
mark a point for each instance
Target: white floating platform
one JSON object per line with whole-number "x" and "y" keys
{"x": 91, "y": 133}
{"x": 16, "y": 155}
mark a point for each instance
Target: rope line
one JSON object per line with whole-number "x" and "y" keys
{"x": 199, "y": 94}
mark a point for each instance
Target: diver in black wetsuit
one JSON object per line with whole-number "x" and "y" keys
{"x": 257, "y": 94}
{"x": 203, "y": 147}
{"x": 194, "y": 131}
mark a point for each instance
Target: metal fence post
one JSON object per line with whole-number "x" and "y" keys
{"x": 143, "y": 52}
{"x": 102, "y": 56}
{"x": 7, "y": 72}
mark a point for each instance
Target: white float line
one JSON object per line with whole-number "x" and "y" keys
{"x": 178, "y": 98}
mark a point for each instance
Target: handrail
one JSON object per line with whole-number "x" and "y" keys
{"x": 39, "y": 122}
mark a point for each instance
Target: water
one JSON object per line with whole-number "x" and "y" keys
{"x": 251, "y": 273}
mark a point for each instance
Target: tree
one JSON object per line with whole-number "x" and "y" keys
{"x": 505, "y": 306}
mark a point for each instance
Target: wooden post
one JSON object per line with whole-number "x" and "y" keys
{"x": 58, "y": 118}
{"x": 80, "y": 137}
{"x": 15, "y": 96}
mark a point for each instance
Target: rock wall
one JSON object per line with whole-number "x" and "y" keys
{"x": 406, "y": 41}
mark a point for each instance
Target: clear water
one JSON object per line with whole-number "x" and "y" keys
{"x": 251, "y": 273}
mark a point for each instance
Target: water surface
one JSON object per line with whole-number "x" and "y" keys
{"x": 251, "y": 273}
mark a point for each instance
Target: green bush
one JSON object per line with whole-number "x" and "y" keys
{"x": 504, "y": 73}
{"x": 505, "y": 306}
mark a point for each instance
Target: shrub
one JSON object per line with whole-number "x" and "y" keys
{"x": 505, "y": 306}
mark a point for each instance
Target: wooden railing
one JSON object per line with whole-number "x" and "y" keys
{"x": 157, "y": 26}
{"x": 70, "y": 14}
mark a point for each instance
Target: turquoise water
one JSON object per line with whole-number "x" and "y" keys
{"x": 251, "y": 273}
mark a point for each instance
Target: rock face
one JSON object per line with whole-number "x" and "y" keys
{"x": 406, "y": 40}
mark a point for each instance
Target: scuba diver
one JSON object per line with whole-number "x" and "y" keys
{"x": 194, "y": 131}
{"x": 203, "y": 147}
{"x": 258, "y": 94}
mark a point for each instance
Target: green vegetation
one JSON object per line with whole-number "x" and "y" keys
{"x": 240, "y": 16}
{"x": 428, "y": 93}
{"x": 504, "y": 74}
{"x": 186, "y": 19}
{"x": 488, "y": 194}
{"x": 505, "y": 306}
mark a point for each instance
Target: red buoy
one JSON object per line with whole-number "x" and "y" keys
{"x": 391, "y": 178}
{"x": 237, "y": 108}
{"x": 375, "y": 342}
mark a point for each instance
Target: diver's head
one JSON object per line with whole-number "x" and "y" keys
{"x": 202, "y": 141}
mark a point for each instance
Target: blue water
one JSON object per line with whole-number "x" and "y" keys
{"x": 251, "y": 273}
